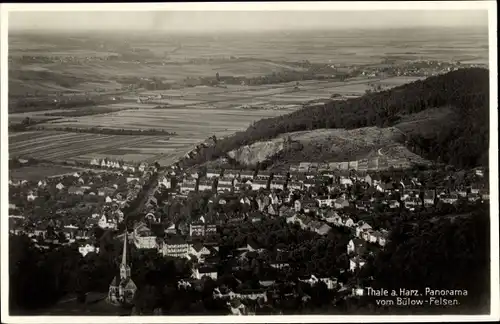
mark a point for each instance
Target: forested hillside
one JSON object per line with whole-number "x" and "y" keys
{"x": 449, "y": 252}
{"x": 462, "y": 141}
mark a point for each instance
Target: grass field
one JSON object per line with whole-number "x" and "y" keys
{"x": 39, "y": 172}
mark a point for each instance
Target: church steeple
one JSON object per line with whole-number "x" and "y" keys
{"x": 124, "y": 267}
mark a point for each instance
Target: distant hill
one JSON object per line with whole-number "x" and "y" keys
{"x": 458, "y": 135}
{"x": 332, "y": 145}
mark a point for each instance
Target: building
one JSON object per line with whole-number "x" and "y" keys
{"x": 226, "y": 181}
{"x": 106, "y": 192}
{"x": 356, "y": 263}
{"x": 86, "y": 249}
{"x": 188, "y": 186}
{"x": 264, "y": 175}
{"x": 122, "y": 289}
{"x": 356, "y": 246}
{"x": 412, "y": 202}
{"x": 277, "y": 185}
{"x": 259, "y": 184}
{"x": 205, "y": 271}
{"x": 166, "y": 182}
{"x": 213, "y": 173}
{"x": 280, "y": 176}
{"x": 294, "y": 185}
{"x": 340, "y": 203}
{"x": 325, "y": 201}
{"x": 204, "y": 185}
{"x": 145, "y": 242}
{"x": 429, "y": 198}
{"x": 450, "y": 199}
{"x": 245, "y": 174}
{"x": 31, "y": 196}
{"x": 201, "y": 228}
{"x": 175, "y": 247}
{"x": 231, "y": 173}
{"x": 362, "y": 227}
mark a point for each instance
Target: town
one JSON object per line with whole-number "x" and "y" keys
{"x": 240, "y": 224}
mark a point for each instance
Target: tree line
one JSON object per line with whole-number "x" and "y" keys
{"x": 111, "y": 131}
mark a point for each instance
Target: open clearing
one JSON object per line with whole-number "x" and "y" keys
{"x": 342, "y": 145}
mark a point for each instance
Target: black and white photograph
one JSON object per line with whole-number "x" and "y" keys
{"x": 194, "y": 162}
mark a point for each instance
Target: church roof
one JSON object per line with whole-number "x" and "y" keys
{"x": 114, "y": 282}
{"x": 128, "y": 284}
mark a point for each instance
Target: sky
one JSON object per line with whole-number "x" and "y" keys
{"x": 198, "y": 21}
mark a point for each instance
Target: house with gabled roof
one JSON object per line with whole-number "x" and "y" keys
{"x": 231, "y": 173}
{"x": 308, "y": 205}
{"x": 323, "y": 229}
{"x": 369, "y": 236}
{"x": 188, "y": 185}
{"x": 277, "y": 184}
{"x": 273, "y": 210}
{"x": 382, "y": 237}
{"x": 308, "y": 183}
{"x": 259, "y": 184}
{"x": 429, "y": 198}
{"x": 347, "y": 221}
{"x": 356, "y": 246}
{"x": 361, "y": 227}
{"x": 175, "y": 246}
{"x": 485, "y": 194}
{"x": 412, "y": 202}
{"x": 333, "y": 217}
{"x": 247, "y": 174}
{"x": 356, "y": 263}
{"x": 294, "y": 185}
{"x": 275, "y": 199}
{"x": 325, "y": 201}
{"x": 280, "y": 176}
{"x": 205, "y": 185}
{"x": 31, "y": 196}
{"x": 214, "y": 173}
{"x": 340, "y": 203}
{"x": 264, "y": 175}
{"x": 393, "y": 204}
{"x": 450, "y": 198}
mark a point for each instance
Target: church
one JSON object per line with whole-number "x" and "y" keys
{"x": 122, "y": 289}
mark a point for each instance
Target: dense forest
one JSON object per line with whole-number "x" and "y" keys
{"x": 463, "y": 143}
{"x": 444, "y": 252}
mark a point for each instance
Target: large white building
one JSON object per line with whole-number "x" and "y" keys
{"x": 175, "y": 247}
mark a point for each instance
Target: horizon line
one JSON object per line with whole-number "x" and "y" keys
{"x": 226, "y": 31}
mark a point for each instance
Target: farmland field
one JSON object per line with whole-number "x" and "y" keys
{"x": 39, "y": 172}
{"x": 63, "y": 146}
{"x": 50, "y": 64}
{"x": 194, "y": 114}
